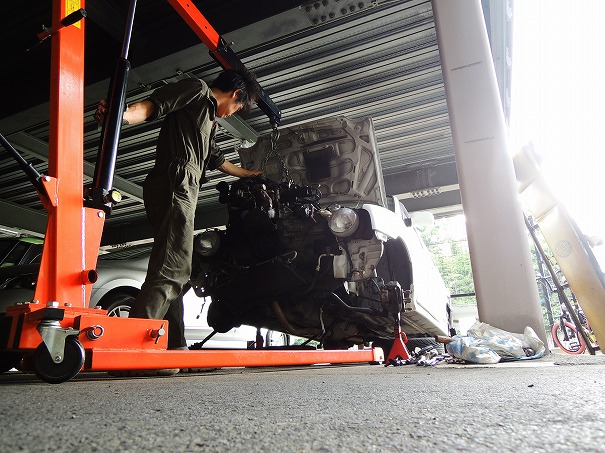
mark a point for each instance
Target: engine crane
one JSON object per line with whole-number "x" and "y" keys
{"x": 56, "y": 335}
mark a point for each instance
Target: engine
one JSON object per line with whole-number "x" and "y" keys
{"x": 286, "y": 263}
{"x": 276, "y": 241}
{"x": 269, "y": 219}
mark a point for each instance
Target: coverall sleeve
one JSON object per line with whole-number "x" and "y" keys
{"x": 176, "y": 96}
{"x": 216, "y": 156}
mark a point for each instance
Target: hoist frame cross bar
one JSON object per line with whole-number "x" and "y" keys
{"x": 220, "y": 50}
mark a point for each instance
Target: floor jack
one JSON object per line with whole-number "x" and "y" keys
{"x": 56, "y": 335}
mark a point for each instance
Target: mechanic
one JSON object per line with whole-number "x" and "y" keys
{"x": 185, "y": 150}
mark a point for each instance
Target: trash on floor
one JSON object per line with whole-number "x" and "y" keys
{"x": 487, "y": 344}
{"x": 427, "y": 356}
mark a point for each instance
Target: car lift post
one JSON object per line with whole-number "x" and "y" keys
{"x": 56, "y": 334}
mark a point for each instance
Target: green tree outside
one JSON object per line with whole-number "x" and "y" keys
{"x": 446, "y": 240}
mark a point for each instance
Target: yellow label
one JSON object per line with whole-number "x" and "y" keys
{"x": 70, "y": 7}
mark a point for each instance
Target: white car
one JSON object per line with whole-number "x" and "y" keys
{"x": 316, "y": 248}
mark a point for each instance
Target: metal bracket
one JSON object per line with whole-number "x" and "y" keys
{"x": 54, "y": 337}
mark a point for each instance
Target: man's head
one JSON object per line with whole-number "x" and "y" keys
{"x": 235, "y": 90}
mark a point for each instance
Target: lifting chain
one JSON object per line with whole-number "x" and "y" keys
{"x": 274, "y": 138}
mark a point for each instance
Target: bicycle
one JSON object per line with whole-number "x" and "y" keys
{"x": 566, "y": 336}
{"x": 572, "y": 332}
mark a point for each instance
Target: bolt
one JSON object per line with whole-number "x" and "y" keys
{"x": 58, "y": 359}
{"x": 67, "y": 304}
{"x": 46, "y": 178}
{"x": 100, "y": 214}
{"x": 52, "y": 304}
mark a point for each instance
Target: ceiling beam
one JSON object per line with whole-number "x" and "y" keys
{"x": 421, "y": 179}
{"x": 26, "y": 220}
{"x": 113, "y": 21}
{"x": 441, "y": 204}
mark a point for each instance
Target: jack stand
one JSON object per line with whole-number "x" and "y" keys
{"x": 399, "y": 352}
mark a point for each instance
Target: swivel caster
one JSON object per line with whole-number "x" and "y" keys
{"x": 55, "y": 370}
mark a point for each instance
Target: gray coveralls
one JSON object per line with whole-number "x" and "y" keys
{"x": 184, "y": 150}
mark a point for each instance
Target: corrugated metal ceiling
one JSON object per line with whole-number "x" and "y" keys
{"x": 381, "y": 61}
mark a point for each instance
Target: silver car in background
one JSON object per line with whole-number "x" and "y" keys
{"x": 121, "y": 274}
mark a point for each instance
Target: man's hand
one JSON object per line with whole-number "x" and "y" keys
{"x": 234, "y": 170}
{"x": 250, "y": 173}
{"x": 100, "y": 112}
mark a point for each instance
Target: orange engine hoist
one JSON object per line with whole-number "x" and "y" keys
{"x": 56, "y": 335}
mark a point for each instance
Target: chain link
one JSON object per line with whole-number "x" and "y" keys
{"x": 274, "y": 139}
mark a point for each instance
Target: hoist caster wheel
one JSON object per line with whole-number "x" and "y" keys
{"x": 9, "y": 360}
{"x": 55, "y": 373}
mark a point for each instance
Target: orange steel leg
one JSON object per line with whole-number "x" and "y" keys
{"x": 73, "y": 235}
{"x": 150, "y": 359}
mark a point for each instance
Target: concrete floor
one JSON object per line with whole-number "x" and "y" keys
{"x": 554, "y": 404}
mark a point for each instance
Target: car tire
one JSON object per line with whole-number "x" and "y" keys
{"x": 385, "y": 345}
{"x": 118, "y": 305}
{"x": 423, "y": 342}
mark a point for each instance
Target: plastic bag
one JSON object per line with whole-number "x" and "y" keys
{"x": 487, "y": 344}
{"x": 471, "y": 350}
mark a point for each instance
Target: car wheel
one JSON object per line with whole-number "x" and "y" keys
{"x": 385, "y": 345}
{"x": 119, "y": 305}
{"x": 423, "y": 342}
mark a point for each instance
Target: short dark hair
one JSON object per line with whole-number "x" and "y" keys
{"x": 240, "y": 79}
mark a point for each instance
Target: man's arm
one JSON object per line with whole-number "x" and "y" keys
{"x": 233, "y": 170}
{"x": 138, "y": 112}
{"x": 135, "y": 113}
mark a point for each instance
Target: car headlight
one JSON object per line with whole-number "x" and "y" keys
{"x": 207, "y": 243}
{"x": 344, "y": 222}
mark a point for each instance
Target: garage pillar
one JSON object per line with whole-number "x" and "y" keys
{"x": 507, "y": 294}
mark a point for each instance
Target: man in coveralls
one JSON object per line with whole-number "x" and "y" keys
{"x": 185, "y": 150}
